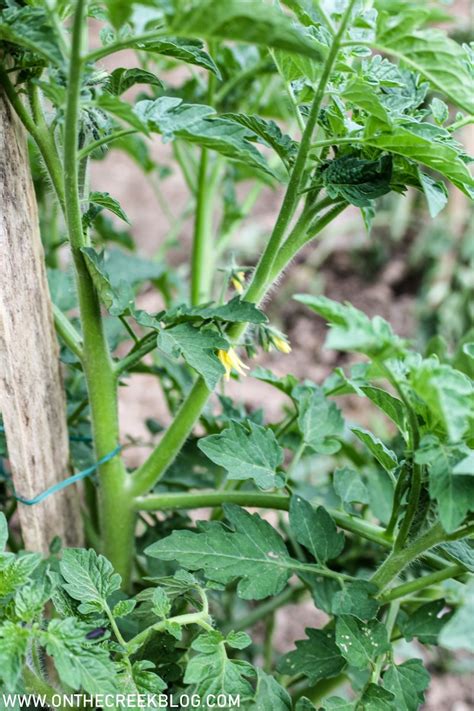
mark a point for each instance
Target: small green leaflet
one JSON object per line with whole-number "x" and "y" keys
{"x": 80, "y": 664}
{"x": 352, "y": 330}
{"x": 234, "y": 311}
{"x": 253, "y": 552}
{"x": 269, "y": 694}
{"x": 104, "y": 201}
{"x": 29, "y": 28}
{"x": 390, "y": 405}
{"x": 425, "y": 623}
{"x": 15, "y": 571}
{"x": 122, "y": 79}
{"x": 319, "y": 420}
{"x": 315, "y": 530}
{"x": 13, "y": 648}
{"x": 361, "y": 642}
{"x": 349, "y": 486}
{"x": 212, "y": 672}
{"x": 124, "y": 608}
{"x": 89, "y": 578}
{"x": 269, "y": 134}
{"x": 357, "y": 180}
{"x": 436, "y": 193}
{"x": 458, "y": 633}
{"x": 250, "y": 21}
{"x": 146, "y": 681}
{"x": 161, "y": 603}
{"x": 116, "y": 298}
{"x": 386, "y": 457}
{"x": 375, "y": 698}
{"x": 407, "y": 682}
{"x": 246, "y": 451}
{"x": 185, "y": 50}
{"x": 198, "y": 347}
{"x": 317, "y": 657}
{"x": 362, "y": 94}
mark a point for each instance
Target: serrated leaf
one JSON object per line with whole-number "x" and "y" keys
{"x": 385, "y": 456}
{"x": 251, "y": 21}
{"x": 269, "y": 134}
{"x": 390, "y": 405}
{"x": 425, "y": 623}
{"x": 462, "y": 551}
{"x": 246, "y": 451}
{"x": 161, "y": 603}
{"x": 349, "y": 486}
{"x": 122, "y": 79}
{"x": 361, "y": 642}
{"x": 238, "y": 640}
{"x": 253, "y": 552}
{"x": 123, "y": 608}
{"x": 198, "y": 347}
{"x": 89, "y": 578}
{"x": 80, "y": 664}
{"x": 117, "y": 299}
{"x": 106, "y": 202}
{"x": 319, "y": 420}
{"x": 458, "y": 633}
{"x": 362, "y": 94}
{"x": 234, "y": 311}
{"x": 16, "y": 570}
{"x": 29, "y": 28}
{"x": 315, "y": 530}
{"x": 357, "y": 180}
{"x": 146, "y": 681}
{"x": 13, "y": 648}
{"x": 407, "y": 682}
{"x": 317, "y": 657}
{"x": 269, "y": 694}
{"x": 352, "y": 330}
{"x": 212, "y": 672}
{"x": 375, "y": 698}
{"x": 357, "y": 599}
{"x": 190, "y": 51}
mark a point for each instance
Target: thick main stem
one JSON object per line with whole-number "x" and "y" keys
{"x": 116, "y": 516}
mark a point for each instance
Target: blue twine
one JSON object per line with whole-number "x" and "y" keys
{"x": 72, "y": 479}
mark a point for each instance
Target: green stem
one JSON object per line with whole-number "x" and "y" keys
{"x": 67, "y": 332}
{"x": 465, "y": 121}
{"x": 139, "y": 351}
{"x": 116, "y": 516}
{"x": 105, "y": 140}
{"x": 398, "y": 560}
{"x": 126, "y": 43}
{"x": 35, "y": 685}
{"x": 452, "y": 571}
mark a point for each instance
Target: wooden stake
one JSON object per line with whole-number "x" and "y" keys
{"x": 32, "y": 398}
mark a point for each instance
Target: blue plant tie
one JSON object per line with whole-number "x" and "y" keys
{"x": 71, "y": 479}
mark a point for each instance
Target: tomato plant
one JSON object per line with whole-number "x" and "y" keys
{"x": 338, "y": 104}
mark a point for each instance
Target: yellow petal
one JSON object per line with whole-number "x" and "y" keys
{"x": 281, "y": 345}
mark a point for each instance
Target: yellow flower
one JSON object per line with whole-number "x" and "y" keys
{"x": 281, "y": 344}
{"x": 231, "y": 361}
{"x": 238, "y": 280}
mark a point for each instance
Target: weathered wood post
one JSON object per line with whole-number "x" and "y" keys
{"x": 32, "y": 399}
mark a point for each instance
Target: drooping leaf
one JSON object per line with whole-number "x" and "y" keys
{"x": 190, "y": 51}
{"x": 89, "y": 578}
{"x": 122, "y": 79}
{"x": 315, "y": 530}
{"x": 106, "y": 202}
{"x": 253, "y": 553}
{"x": 317, "y": 657}
{"x": 246, "y": 451}
{"x": 407, "y": 682}
{"x": 349, "y": 486}
{"x": 435, "y": 191}
{"x": 352, "y": 330}
{"x": 319, "y": 420}
{"x": 358, "y": 180}
{"x": 361, "y": 643}
{"x": 234, "y": 311}
{"x": 198, "y": 347}
{"x": 269, "y": 134}
{"x": 385, "y": 456}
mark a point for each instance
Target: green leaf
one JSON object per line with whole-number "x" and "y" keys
{"x": 234, "y": 311}
{"x": 356, "y": 599}
{"x": 462, "y": 551}
{"x": 270, "y": 134}
{"x": 285, "y": 384}
{"x": 458, "y": 633}
{"x": 106, "y": 202}
{"x": 251, "y": 21}
{"x": 407, "y": 682}
{"x": 89, "y": 578}
{"x": 196, "y": 123}
{"x": 161, "y": 603}
{"x": 385, "y": 456}
{"x": 363, "y": 95}
{"x": 316, "y": 657}
{"x": 319, "y": 420}
{"x": 375, "y": 698}
{"x": 390, "y": 405}
{"x": 253, "y": 552}
{"x": 315, "y": 530}
{"x": 361, "y": 642}
{"x": 269, "y": 694}
{"x": 13, "y": 648}
{"x": 122, "y": 79}
{"x": 425, "y": 623}
{"x": 186, "y": 50}
{"x": 146, "y": 681}
{"x": 246, "y": 451}
{"x": 430, "y": 52}
{"x": 122, "y": 110}
{"x": 80, "y": 664}
{"x": 198, "y": 347}
{"x": 358, "y": 180}
{"x": 212, "y": 672}
{"x": 352, "y": 330}
{"x": 122, "y": 266}
{"x": 440, "y": 111}
{"x": 435, "y": 191}
{"x": 15, "y": 571}
{"x": 349, "y": 486}
{"x": 29, "y": 28}
{"x": 124, "y": 608}
{"x": 117, "y": 299}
